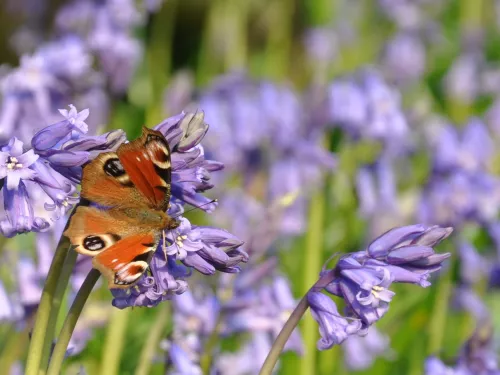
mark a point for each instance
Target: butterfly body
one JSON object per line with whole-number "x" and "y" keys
{"x": 126, "y": 195}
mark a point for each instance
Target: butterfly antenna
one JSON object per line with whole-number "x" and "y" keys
{"x": 196, "y": 207}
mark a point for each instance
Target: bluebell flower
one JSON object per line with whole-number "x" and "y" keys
{"x": 15, "y": 164}
{"x": 333, "y": 328}
{"x": 362, "y": 279}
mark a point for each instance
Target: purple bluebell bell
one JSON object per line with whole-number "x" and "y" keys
{"x": 333, "y": 328}
{"x": 362, "y": 279}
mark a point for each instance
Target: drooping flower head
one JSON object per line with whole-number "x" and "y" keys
{"x": 363, "y": 279}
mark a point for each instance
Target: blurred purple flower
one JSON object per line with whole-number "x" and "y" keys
{"x": 247, "y": 360}
{"x": 470, "y": 150}
{"x": 462, "y": 80}
{"x": 261, "y": 307}
{"x": 404, "y": 58}
{"x": 361, "y": 351}
{"x": 365, "y": 106}
{"x": 182, "y": 362}
{"x": 10, "y": 307}
{"x": 477, "y": 356}
{"x": 376, "y": 188}
{"x": 461, "y": 197}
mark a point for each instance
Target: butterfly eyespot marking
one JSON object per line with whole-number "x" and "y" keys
{"x": 114, "y": 168}
{"x": 93, "y": 243}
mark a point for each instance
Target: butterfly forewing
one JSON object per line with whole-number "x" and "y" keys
{"x": 106, "y": 183}
{"x": 147, "y": 162}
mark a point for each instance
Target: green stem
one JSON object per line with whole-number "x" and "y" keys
{"x": 154, "y": 337}
{"x": 69, "y": 263}
{"x": 439, "y": 315}
{"x": 235, "y": 18}
{"x": 279, "y": 39}
{"x": 115, "y": 338}
{"x": 36, "y": 347}
{"x": 312, "y": 267}
{"x": 70, "y": 322}
{"x": 13, "y": 350}
{"x": 284, "y": 335}
{"x": 213, "y": 339}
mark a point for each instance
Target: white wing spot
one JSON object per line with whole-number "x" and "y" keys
{"x": 138, "y": 158}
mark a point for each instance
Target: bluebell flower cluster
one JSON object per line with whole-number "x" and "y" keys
{"x": 362, "y": 279}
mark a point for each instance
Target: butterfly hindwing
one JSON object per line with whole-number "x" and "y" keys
{"x": 125, "y": 262}
{"x": 120, "y": 249}
{"x": 147, "y": 163}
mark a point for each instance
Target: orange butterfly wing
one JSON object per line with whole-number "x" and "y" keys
{"x": 106, "y": 183}
{"x": 121, "y": 248}
{"x": 147, "y": 162}
{"x": 125, "y": 262}
{"x": 137, "y": 175}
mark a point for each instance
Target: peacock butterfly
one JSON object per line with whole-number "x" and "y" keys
{"x": 127, "y": 193}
